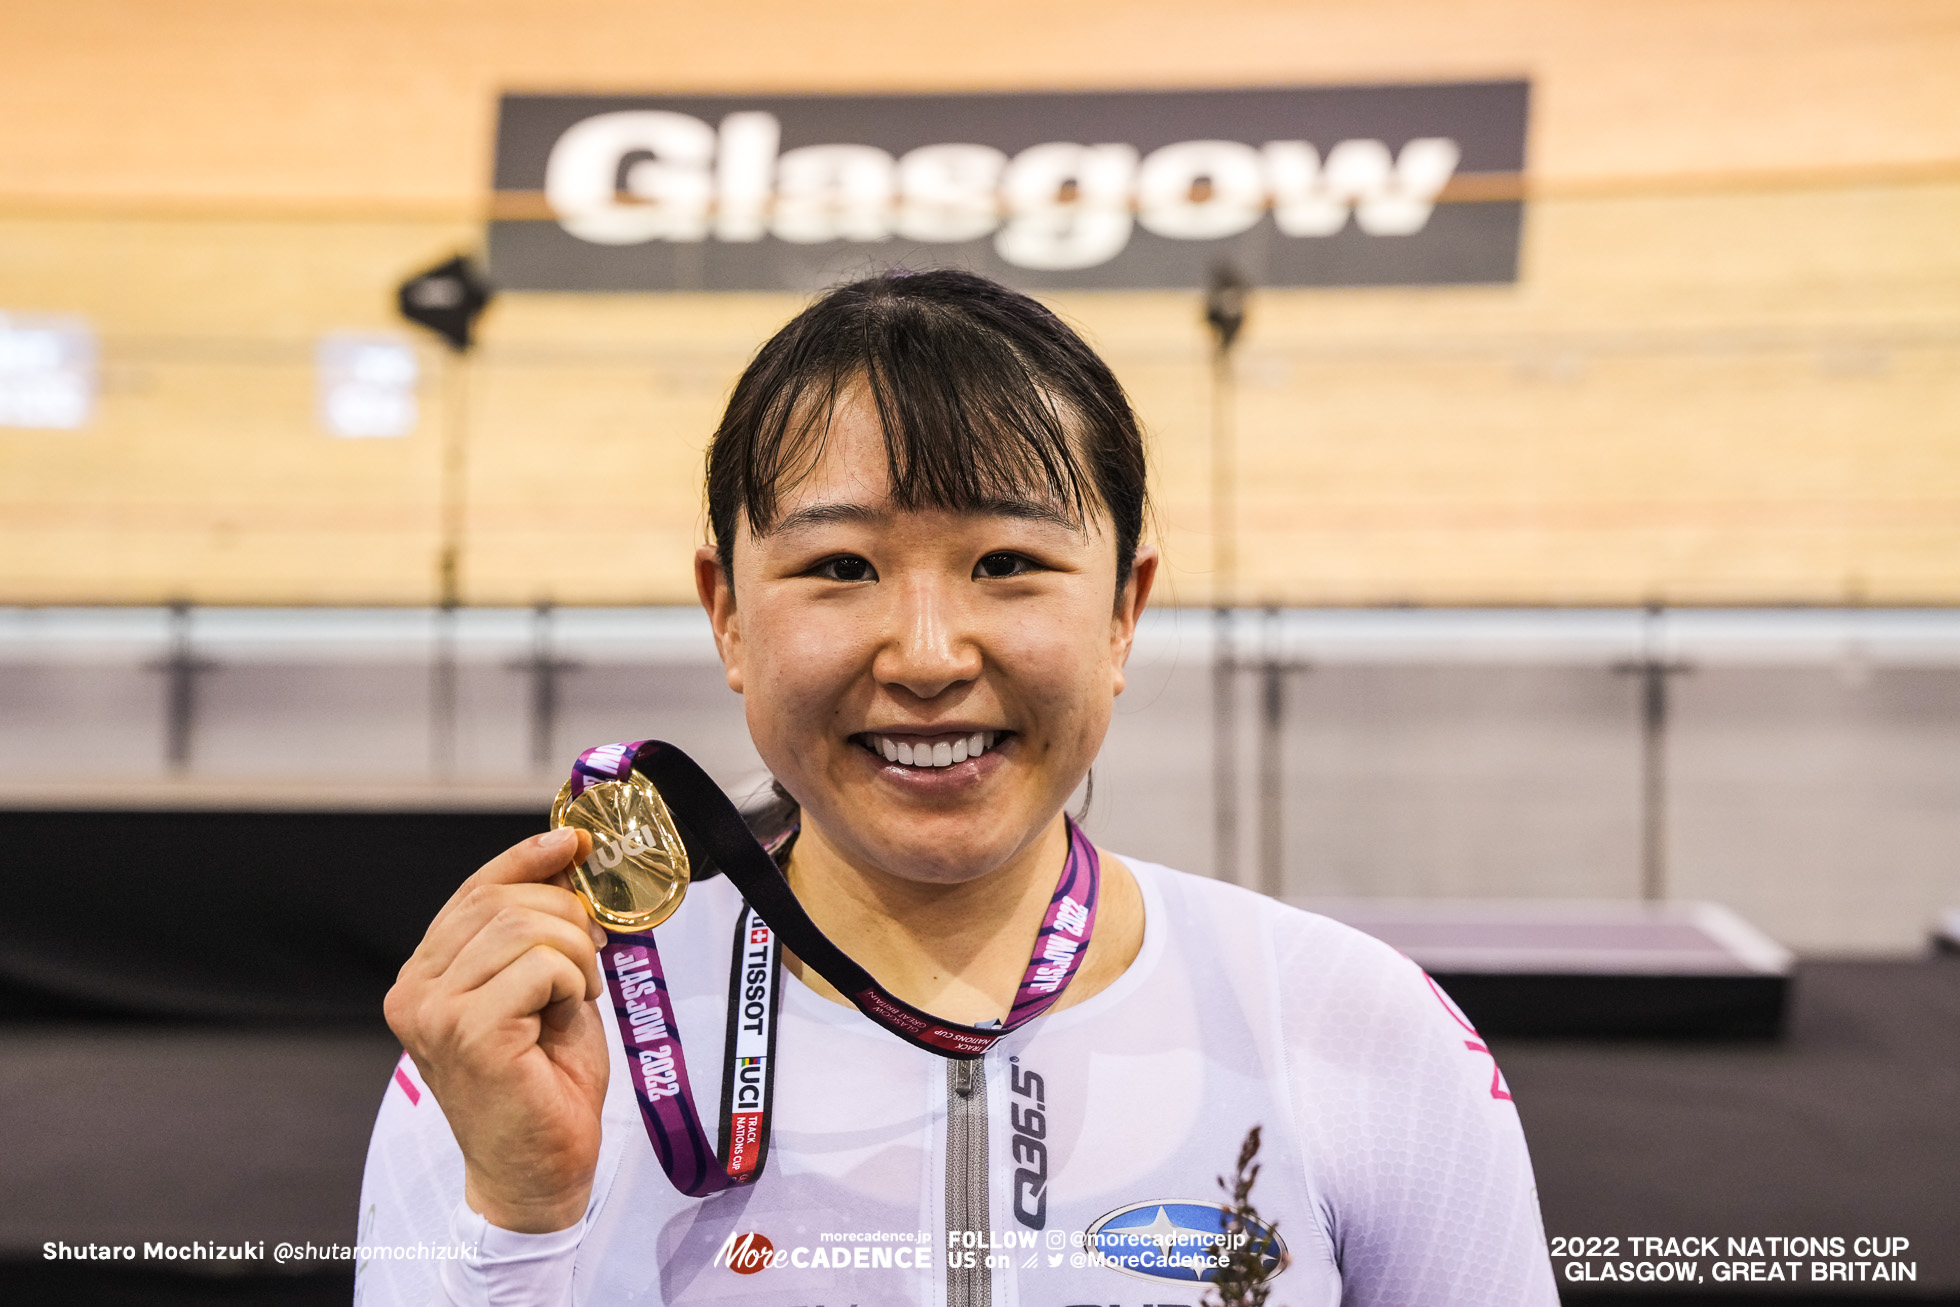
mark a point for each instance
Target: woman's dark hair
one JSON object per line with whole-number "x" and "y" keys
{"x": 985, "y": 397}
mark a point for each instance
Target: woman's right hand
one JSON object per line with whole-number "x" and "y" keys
{"x": 498, "y": 1007}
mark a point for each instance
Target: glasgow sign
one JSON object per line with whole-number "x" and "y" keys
{"x": 1298, "y": 186}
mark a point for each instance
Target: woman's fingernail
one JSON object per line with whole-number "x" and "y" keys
{"x": 559, "y": 841}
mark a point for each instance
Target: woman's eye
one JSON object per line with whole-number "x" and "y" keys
{"x": 999, "y": 565}
{"x": 849, "y": 567}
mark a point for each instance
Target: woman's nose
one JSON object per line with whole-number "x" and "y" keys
{"x": 927, "y": 652}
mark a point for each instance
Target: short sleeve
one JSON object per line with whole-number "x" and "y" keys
{"x": 409, "y": 1188}
{"x": 1409, "y": 1127}
{"x": 420, "y": 1243}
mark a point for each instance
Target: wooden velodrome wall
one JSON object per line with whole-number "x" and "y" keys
{"x": 1730, "y": 372}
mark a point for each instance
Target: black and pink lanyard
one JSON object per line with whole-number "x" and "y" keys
{"x": 719, "y": 842}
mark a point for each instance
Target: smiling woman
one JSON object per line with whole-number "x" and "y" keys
{"x": 916, "y": 552}
{"x": 927, "y": 499}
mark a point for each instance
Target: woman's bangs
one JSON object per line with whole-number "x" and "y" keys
{"x": 988, "y": 403}
{"x": 967, "y": 427}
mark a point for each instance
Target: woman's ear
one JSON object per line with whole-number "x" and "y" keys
{"x": 717, "y": 592}
{"x": 1129, "y": 607}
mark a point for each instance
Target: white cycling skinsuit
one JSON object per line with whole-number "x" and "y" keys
{"x": 1077, "y": 1163}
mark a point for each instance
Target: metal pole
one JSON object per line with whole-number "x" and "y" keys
{"x": 180, "y": 690}
{"x": 1224, "y": 749}
{"x": 1225, "y": 314}
{"x": 544, "y": 687}
{"x": 442, "y": 694}
{"x": 1653, "y": 763}
{"x": 451, "y": 508}
{"x": 1272, "y": 739}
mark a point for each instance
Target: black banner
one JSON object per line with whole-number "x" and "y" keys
{"x": 1299, "y": 186}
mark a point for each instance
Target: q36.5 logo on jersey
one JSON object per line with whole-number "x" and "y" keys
{"x": 1179, "y": 1239}
{"x": 1030, "y": 1123}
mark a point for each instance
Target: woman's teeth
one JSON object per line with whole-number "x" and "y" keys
{"x": 942, "y": 754}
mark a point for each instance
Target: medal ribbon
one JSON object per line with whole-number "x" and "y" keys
{"x": 652, "y": 1039}
{"x": 719, "y": 842}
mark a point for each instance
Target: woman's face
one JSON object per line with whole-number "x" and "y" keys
{"x": 930, "y": 685}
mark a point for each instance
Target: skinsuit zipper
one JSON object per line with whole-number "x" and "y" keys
{"x": 966, "y": 1182}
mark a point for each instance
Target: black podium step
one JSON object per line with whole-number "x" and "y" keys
{"x": 1588, "y": 968}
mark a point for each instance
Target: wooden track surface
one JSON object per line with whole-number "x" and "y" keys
{"x": 1728, "y": 372}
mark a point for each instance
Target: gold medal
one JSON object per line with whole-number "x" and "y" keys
{"x": 638, "y": 872}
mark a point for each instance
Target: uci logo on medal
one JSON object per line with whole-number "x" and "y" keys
{"x": 1176, "y": 1239}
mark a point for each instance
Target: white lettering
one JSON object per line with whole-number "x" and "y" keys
{"x": 1402, "y": 206}
{"x": 657, "y": 1073}
{"x": 1072, "y": 917}
{"x": 1389, "y": 197}
{"x": 1060, "y": 948}
{"x": 668, "y": 194}
{"x": 834, "y": 192}
{"x": 949, "y": 192}
{"x": 745, "y": 175}
{"x": 1070, "y": 205}
{"x": 1169, "y": 202}
{"x": 632, "y": 176}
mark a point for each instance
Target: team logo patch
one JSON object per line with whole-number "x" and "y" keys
{"x": 1180, "y": 1239}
